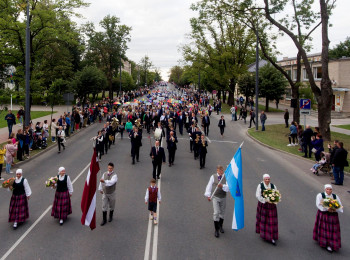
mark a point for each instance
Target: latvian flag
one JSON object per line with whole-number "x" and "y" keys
{"x": 88, "y": 201}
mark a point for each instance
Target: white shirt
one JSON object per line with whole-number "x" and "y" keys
{"x": 158, "y": 195}
{"x": 27, "y": 189}
{"x": 258, "y": 192}
{"x": 210, "y": 185}
{"x": 108, "y": 183}
{"x": 319, "y": 199}
{"x": 233, "y": 110}
{"x": 69, "y": 183}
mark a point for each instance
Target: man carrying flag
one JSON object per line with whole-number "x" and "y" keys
{"x": 88, "y": 201}
{"x": 218, "y": 198}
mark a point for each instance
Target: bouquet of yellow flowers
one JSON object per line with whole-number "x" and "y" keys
{"x": 51, "y": 181}
{"x": 272, "y": 196}
{"x": 8, "y": 183}
{"x": 330, "y": 204}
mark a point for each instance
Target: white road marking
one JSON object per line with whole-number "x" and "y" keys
{"x": 155, "y": 233}
{"x": 13, "y": 247}
{"x": 148, "y": 240}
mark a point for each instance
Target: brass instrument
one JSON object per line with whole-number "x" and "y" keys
{"x": 203, "y": 143}
{"x": 197, "y": 139}
{"x": 115, "y": 123}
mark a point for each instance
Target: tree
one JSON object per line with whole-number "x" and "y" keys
{"x": 145, "y": 65}
{"x": 128, "y": 82}
{"x": 90, "y": 80}
{"x": 246, "y": 85}
{"x": 272, "y": 84}
{"x": 340, "y": 50}
{"x": 176, "y": 74}
{"x": 107, "y": 48}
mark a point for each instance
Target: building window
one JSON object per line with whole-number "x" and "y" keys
{"x": 317, "y": 71}
{"x": 305, "y": 76}
{"x": 294, "y": 74}
{"x": 289, "y": 72}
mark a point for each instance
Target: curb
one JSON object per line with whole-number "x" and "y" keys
{"x": 276, "y": 149}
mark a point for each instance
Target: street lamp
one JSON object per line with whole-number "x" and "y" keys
{"x": 257, "y": 81}
{"x": 27, "y": 98}
{"x": 120, "y": 76}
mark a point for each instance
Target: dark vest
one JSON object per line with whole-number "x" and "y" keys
{"x": 324, "y": 195}
{"x": 262, "y": 186}
{"x": 109, "y": 189}
{"x": 153, "y": 194}
{"x": 219, "y": 193}
{"x": 62, "y": 185}
{"x": 18, "y": 188}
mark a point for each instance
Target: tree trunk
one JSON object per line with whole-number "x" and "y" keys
{"x": 219, "y": 94}
{"x": 295, "y": 90}
{"x": 266, "y": 105}
{"x": 231, "y": 98}
{"x": 103, "y": 93}
{"x": 325, "y": 99}
{"x": 223, "y": 96}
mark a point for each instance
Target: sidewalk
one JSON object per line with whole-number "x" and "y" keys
{"x": 4, "y": 133}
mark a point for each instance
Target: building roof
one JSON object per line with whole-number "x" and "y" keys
{"x": 262, "y": 63}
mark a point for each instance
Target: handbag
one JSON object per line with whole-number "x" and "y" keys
{"x": 314, "y": 150}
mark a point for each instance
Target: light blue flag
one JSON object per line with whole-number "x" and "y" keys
{"x": 233, "y": 176}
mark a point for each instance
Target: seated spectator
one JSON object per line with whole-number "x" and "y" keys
{"x": 318, "y": 164}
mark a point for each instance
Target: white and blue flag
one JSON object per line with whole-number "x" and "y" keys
{"x": 233, "y": 176}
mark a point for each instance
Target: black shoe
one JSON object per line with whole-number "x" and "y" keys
{"x": 201, "y": 167}
{"x": 340, "y": 184}
{"x": 104, "y": 221}
{"x": 158, "y": 177}
{"x": 216, "y": 225}
{"x": 220, "y": 225}
{"x": 133, "y": 162}
{"x": 110, "y": 216}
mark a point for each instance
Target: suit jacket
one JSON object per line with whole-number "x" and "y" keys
{"x": 158, "y": 158}
{"x": 203, "y": 149}
{"x": 135, "y": 140}
{"x": 206, "y": 121}
{"x": 222, "y": 123}
{"x": 171, "y": 144}
{"x": 340, "y": 158}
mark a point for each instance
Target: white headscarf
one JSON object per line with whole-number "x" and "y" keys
{"x": 19, "y": 171}
{"x": 328, "y": 186}
{"x": 61, "y": 169}
{"x": 266, "y": 176}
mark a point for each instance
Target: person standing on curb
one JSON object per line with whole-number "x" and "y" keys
{"x": 107, "y": 188}
{"x": 233, "y": 112}
{"x": 218, "y": 199}
{"x": 339, "y": 162}
{"x": 286, "y": 118}
{"x": 263, "y": 118}
{"x": 252, "y": 118}
{"x": 11, "y": 120}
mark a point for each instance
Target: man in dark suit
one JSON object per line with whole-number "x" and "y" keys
{"x": 339, "y": 162}
{"x": 171, "y": 145}
{"x": 206, "y": 123}
{"x": 135, "y": 138}
{"x": 202, "y": 151}
{"x": 180, "y": 121}
{"x": 191, "y": 133}
{"x": 306, "y": 138}
{"x": 147, "y": 122}
{"x": 158, "y": 156}
{"x": 197, "y": 137}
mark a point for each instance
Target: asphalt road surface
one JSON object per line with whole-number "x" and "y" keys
{"x": 185, "y": 229}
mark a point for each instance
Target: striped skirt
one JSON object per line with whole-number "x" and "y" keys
{"x": 19, "y": 211}
{"x": 327, "y": 230}
{"x": 61, "y": 205}
{"x": 267, "y": 221}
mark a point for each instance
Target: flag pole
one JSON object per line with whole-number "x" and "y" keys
{"x": 216, "y": 187}
{"x": 241, "y": 144}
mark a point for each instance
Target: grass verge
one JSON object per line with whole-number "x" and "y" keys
{"x": 347, "y": 127}
{"x": 33, "y": 115}
{"x": 276, "y": 136}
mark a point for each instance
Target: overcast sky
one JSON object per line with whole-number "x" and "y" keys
{"x": 159, "y": 27}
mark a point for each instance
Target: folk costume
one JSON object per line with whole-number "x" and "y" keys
{"x": 327, "y": 229}
{"x": 266, "y": 214}
{"x": 62, "y": 206}
{"x": 21, "y": 192}
{"x": 108, "y": 194}
{"x": 152, "y": 194}
{"x": 218, "y": 199}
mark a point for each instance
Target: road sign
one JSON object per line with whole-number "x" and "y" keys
{"x": 305, "y": 103}
{"x": 305, "y": 112}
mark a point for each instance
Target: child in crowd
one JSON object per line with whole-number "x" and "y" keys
{"x": 318, "y": 164}
{"x": 152, "y": 194}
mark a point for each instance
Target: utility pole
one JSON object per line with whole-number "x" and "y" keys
{"x": 257, "y": 82}
{"x": 120, "y": 76}
{"x": 27, "y": 103}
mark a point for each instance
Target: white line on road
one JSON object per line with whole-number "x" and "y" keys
{"x": 148, "y": 240}
{"x": 36, "y": 222}
{"x": 155, "y": 233}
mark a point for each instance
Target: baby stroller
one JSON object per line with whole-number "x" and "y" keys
{"x": 325, "y": 168}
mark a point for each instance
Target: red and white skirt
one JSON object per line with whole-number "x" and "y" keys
{"x": 267, "y": 221}
{"x": 19, "y": 211}
{"x": 61, "y": 205}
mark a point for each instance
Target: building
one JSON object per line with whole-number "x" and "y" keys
{"x": 339, "y": 73}
{"x": 126, "y": 66}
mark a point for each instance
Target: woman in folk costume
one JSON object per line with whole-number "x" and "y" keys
{"x": 327, "y": 228}
{"x": 266, "y": 215}
{"x": 64, "y": 189}
{"x": 21, "y": 192}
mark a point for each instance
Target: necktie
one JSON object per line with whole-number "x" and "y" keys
{"x": 157, "y": 150}
{"x": 219, "y": 178}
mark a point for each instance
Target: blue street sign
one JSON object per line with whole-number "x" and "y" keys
{"x": 305, "y": 103}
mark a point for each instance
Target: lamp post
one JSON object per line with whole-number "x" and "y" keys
{"x": 257, "y": 82}
{"x": 120, "y": 76}
{"x": 27, "y": 77}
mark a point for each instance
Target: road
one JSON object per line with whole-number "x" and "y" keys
{"x": 185, "y": 229}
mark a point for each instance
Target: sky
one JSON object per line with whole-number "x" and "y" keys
{"x": 159, "y": 28}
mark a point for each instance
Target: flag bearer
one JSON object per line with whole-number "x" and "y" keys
{"x": 107, "y": 187}
{"x": 219, "y": 197}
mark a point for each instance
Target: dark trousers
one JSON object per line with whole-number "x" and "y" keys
{"x": 67, "y": 130}
{"x": 262, "y": 125}
{"x": 105, "y": 142}
{"x": 286, "y": 121}
{"x": 222, "y": 129}
{"x": 306, "y": 146}
{"x": 202, "y": 159}
{"x": 10, "y": 128}
{"x": 148, "y": 128}
{"x": 157, "y": 168}
{"x": 250, "y": 122}
{"x": 135, "y": 152}
{"x": 0, "y": 170}
{"x": 59, "y": 143}
{"x": 171, "y": 156}
{"x": 181, "y": 129}
{"x": 338, "y": 173}
{"x": 191, "y": 145}
{"x": 195, "y": 150}
{"x": 206, "y": 130}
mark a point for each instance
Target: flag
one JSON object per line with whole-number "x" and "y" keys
{"x": 233, "y": 176}
{"x": 88, "y": 200}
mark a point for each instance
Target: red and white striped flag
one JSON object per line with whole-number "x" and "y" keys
{"x": 88, "y": 200}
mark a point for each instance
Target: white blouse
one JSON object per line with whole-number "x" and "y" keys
{"x": 319, "y": 199}
{"x": 258, "y": 192}
{"x": 27, "y": 189}
{"x": 69, "y": 183}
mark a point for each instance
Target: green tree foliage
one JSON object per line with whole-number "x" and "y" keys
{"x": 145, "y": 65}
{"x": 340, "y": 50}
{"x": 90, "y": 80}
{"x": 246, "y": 85}
{"x": 128, "y": 82}
{"x": 272, "y": 84}
{"x": 176, "y": 74}
{"x": 106, "y": 49}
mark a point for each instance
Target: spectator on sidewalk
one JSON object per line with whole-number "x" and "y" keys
{"x": 263, "y": 118}
{"x": 68, "y": 123}
{"x": 20, "y": 115}
{"x": 286, "y": 117}
{"x": 10, "y": 155}
{"x": 306, "y": 138}
{"x": 233, "y": 112}
{"x": 54, "y": 130}
{"x": 11, "y": 120}
{"x": 293, "y": 134}
{"x": 339, "y": 162}
{"x": 20, "y": 149}
{"x": 2, "y": 160}
{"x": 252, "y": 118}
{"x": 317, "y": 144}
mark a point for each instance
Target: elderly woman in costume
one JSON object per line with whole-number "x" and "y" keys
{"x": 21, "y": 192}
{"x": 266, "y": 215}
{"x": 64, "y": 189}
{"x": 327, "y": 228}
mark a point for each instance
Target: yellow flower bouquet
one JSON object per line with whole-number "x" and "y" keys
{"x": 272, "y": 196}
